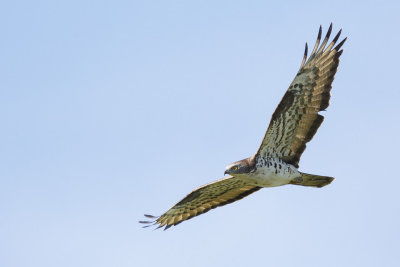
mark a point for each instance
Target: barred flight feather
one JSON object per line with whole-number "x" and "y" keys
{"x": 296, "y": 119}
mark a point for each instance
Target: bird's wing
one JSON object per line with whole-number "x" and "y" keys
{"x": 296, "y": 119}
{"x": 202, "y": 199}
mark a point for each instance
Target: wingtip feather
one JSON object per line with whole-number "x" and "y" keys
{"x": 305, "y": 56}
{"x": 337, "y": 36}
{"x": 328, "y": 34}
{"x": 168, "y": 226}
{"x": 318, "y": 40}
{"x": 320, "y": 32}
{"x": 340, "y": 44}
{"x": 151, "y": 216}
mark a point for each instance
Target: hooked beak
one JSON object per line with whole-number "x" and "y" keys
{"x": 226, "y": 172}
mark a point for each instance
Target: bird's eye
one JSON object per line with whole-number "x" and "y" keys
{"x": 235, "y": 168}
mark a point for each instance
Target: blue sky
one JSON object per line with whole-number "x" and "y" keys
{"x": 109, "y": 110}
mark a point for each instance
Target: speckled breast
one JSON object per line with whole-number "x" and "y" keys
{"x": 270, "y": 172}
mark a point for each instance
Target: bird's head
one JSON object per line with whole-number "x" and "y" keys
{"x": 240, "y": 167}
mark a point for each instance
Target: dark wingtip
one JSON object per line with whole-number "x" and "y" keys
{"x": 319, "y": 32}
{"x": 317, "y": 41}
{"x": 328, "y": 34}
{"x": 158, "y": 227}
{"x": 149, "y": 223}
{"x": 146, "y": 222}
{"x": 334, "y": 40}
{"x": 305, "y": 51}
{"x": 338, "y": 54}
{"x": 167, "y": 226}
{"x": 337, "y": 36}
{"x": 151, "y": 216}
{"x": 340, "y": 44}
{"x": 305, "y": 56}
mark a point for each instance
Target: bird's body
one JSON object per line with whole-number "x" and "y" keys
{"x": 269, "y": 172}
{"x": 293, "y": 124}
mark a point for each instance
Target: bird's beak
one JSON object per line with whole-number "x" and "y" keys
{"x": 226, "y": 172}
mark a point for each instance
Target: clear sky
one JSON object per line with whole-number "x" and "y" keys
{"x": 113, "y": 109}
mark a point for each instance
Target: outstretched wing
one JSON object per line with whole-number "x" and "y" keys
{"x": 296, "y": 119}
{"x": 202, "y": 199}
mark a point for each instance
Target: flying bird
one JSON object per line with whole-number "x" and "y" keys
{"x": 293, "y": 124}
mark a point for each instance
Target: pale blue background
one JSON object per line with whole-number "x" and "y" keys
{"x": 109, "y": 110}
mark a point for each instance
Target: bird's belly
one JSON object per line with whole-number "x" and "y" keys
{"x": 268, "y": 180}
{"x": 270, "y": 175}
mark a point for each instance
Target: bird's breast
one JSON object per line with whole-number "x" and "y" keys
{"x": 270, "y": 172}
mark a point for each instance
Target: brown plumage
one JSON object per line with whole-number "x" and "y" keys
{"x": 204, "y": 198}
{"x": 293, "y": 124}
{"x": 296, "y": 119}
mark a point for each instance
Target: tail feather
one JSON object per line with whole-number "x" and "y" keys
{"x": 312, "y": 180}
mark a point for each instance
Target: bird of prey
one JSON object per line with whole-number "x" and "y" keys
{"x": 293, "y": 124}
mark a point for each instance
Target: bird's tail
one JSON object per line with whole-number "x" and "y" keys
{"x": 312, "y": 180}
